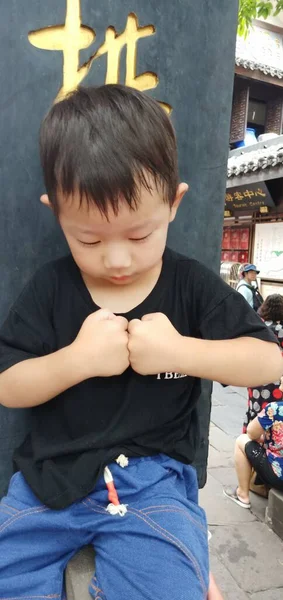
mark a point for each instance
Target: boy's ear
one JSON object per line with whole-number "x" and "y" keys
{"x": 45, "y": 200}
{"x": 180, "y": 192}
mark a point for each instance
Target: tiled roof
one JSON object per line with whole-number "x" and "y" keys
{"x": 256, "y": 66}
{"x": 256, "y": 159}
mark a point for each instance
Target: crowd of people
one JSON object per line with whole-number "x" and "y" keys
{"x": 259, "y": 449}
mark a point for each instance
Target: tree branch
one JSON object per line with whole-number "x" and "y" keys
{"x": 255, "y": 9}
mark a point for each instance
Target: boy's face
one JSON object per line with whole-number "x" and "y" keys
{"x": 123, "y": 248}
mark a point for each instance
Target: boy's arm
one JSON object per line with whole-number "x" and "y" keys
{"x": 37, "y": 380}
{"x": 99, "y": 350}
{"x": 244, "y": 361}
{"x": 156, "y": 347}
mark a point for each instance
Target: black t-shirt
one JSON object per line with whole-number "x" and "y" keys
{"x": 87, "y": 426}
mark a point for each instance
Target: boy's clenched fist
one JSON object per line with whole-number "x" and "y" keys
{"x": 153, "y": 345}
{"x": 101, "y": 345}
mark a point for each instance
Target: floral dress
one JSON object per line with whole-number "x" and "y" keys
{"x": 271, "y": 419}
{"x": 259, "y": 397}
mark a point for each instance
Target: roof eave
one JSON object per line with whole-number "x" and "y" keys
{"x": 252, "y": 65}
{"x": 255, "y": 176}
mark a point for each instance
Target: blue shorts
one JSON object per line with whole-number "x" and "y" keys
{"x": 157, "y": 551}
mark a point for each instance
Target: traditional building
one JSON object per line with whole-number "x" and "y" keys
{"x": 253, "y": 218}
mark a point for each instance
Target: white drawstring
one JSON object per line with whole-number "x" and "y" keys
{"x": 114, "y": 507}
{"x": 122, "y": 461}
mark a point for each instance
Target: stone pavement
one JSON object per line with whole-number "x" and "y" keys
{"x": 246, "y": 556}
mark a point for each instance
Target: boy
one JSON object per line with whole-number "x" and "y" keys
{"x": 107, "y": 346}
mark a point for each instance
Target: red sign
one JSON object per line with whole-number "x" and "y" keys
{"x": 243, "y": 257}
{"x": 244, "y": 239}
{"x": 235, "y": 256}
{"x": 235, "y": 239}
{"x": 226, "y": 239}
{"x": 225, "y": 255}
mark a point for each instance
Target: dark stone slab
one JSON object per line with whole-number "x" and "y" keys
{"x": 274, "y": 514}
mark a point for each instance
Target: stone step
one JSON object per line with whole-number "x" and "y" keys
{"x": 274, "y": 512}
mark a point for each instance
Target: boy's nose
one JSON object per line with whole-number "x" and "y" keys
{"x": 117, "y": 259}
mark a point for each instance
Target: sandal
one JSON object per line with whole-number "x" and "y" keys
{"x": 232, "y": 494}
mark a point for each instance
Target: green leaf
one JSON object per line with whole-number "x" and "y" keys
{"x": 279, "y": 7}
{"x": 264, "y": 9}
{"x": 242, "y": 28}
{"x": 251, "y": 9}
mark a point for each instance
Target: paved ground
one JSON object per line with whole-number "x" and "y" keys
{"x": 246, "y": 557}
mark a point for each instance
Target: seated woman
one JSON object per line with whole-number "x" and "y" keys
{"x": 260, "y": 448}
{"x": 271, "y": 313}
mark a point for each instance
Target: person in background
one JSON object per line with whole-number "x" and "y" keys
{"x": 271, "y": 313}
{"x": 266, "y": 458}
{"x": 247, "y": 288}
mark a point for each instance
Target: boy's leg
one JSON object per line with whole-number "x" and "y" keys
{"x": 159, "y": 549}
{"x": 35, "y": 543}
{"x": 213, "y": 590}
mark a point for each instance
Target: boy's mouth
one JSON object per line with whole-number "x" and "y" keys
{"x": 120, "y": 278}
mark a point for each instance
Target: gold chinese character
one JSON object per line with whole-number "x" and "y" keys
{"x": 72, "y": 37}
{"x": 238, "y": 196}
{"x": 248, "y": 194}
{"x": 260, "y": 192}
{"x": 229, "y": 198}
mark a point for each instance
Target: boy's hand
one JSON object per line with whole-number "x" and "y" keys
{"x": 153, "y": 344}
{"x": 101, "y": 345}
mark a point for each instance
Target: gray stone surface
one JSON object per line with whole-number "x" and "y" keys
{"x": 228, "y": 408}
{"x": 79, "y": 573}
{"x": 219, "y": 509}
{"x": 219, "y": 440}
{"x": 225, "y": 475}
{"x": 219, "y": 459}
{"x": 239, "y": 391}
{"x": 270, "y": 595}
{"x": 229, "y": 418}
{"x": 229, "y": 587}
{"x": 252, "y": 553}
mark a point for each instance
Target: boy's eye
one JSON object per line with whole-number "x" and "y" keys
{"x": 89, "y": 243}
{"x": 140, "y": 239}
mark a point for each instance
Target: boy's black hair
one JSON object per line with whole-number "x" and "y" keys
{"x": 103, "y": 142}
